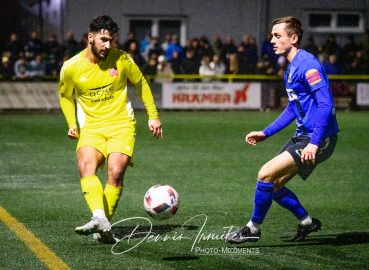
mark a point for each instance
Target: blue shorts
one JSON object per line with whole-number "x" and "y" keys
{"x": 297, "y": 144}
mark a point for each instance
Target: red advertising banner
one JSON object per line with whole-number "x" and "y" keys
{"x": 211, "y": 95}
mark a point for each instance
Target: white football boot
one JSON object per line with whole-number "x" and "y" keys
{"x": 96, "y": 225}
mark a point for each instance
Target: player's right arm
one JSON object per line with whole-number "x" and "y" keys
{"x": 283, "y": 120}
{"x": 254, "y": 137}
{"x": 67, "y": 104}
{"x": 286, "y": 117}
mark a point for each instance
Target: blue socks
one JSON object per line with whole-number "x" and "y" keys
{"x": 263, "y": 200}
{"x": 287, "y": 199}
{"x": 264, "y": 197}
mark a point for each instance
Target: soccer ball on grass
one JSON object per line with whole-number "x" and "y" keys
{"x": 161, "y": 202}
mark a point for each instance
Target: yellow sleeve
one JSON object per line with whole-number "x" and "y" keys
{"x": 66, "y": 99}
{"x": 144, "y": 91}
{"x": 142, "y": 88}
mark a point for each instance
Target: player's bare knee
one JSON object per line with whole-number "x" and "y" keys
{"x": 265, "y": 175}
{"x": 85, "y": 168}
{"x": 277, "y": 186}
{"x": 115, "y": 175}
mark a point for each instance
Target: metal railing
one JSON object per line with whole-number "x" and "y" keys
{"x": 249, "y": 77}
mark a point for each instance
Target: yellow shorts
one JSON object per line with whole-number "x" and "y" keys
{"x": 119, "y": 138}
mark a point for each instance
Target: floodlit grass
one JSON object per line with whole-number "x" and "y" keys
{"x": 204, "y": 157}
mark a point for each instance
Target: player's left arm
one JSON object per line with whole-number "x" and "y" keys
{"x": 322, "y": 98}
{"x": 144, "y": 92}
{"x": 154, "y": 122}
{"x": 156, "y": 128}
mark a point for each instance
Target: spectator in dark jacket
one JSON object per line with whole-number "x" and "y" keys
{"x": 13, "y": 48}
{"x": 267, "y": 50}
{"x": 71, "y": 46}
{"x": 331, "y": 46}
{"x": 332, "y": 66}
{"x": 190, "y": 64}
{"x": 52, "y": 48}
{"x": 150, "y": 68}
{"x": 33, "y": 46}
{"x": 228, "y": 48}
{"x": 6, "y": 69}
{"x": 176, "y": 63}
{"x": 311, "y": 47}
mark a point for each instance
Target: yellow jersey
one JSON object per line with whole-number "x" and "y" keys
{"x": 101, "y": 90}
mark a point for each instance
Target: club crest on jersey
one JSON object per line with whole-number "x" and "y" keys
{"x": 289, "y": 78}
{"x": 313, "y": 76}
{"x": 113, "y": 72}
{"x": 289, "y": 72}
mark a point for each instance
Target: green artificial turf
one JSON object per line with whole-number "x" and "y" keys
{"x": 203, "y": 155}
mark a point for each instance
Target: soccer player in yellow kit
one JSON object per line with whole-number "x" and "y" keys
{"x": 93, "y": 89}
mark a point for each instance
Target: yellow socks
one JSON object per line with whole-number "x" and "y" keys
{"x": 93, "y": 192}
{"x": 98, "y": 198}
{"x": 111, "y": 199}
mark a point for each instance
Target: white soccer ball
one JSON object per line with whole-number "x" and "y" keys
{"x": 161, "y": 202}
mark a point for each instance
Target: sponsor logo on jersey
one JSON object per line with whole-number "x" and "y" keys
{"x": 113, "y": 72}
{"x": 313, "y": 76}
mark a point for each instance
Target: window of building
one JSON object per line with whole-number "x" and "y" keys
{"x": 172, "y": 27}
{"x": 156, "y": 26}
{"x": 140, "y": 28}
{"x": 320, "y": 20}
{"x": 348, "y": 20}
{"x": 335, "y": 21}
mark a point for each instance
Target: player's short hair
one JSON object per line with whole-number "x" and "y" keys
{"x": 293, "y": 26}
{"x": 104, "y": 22}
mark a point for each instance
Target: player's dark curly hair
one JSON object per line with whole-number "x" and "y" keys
{"x": 104, "y": 22}
{"x": 293, "y": 26}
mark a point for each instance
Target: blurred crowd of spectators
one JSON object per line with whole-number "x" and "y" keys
{"x": 37, "y": 60}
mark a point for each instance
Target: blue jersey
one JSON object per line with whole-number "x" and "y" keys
{"x": 310, "y": 100}
{"x": 303, "y": 78}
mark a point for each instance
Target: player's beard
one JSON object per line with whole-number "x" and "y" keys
{"x": 97, "y": 53}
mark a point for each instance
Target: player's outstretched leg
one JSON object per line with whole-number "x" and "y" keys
{"x": 251, "y": 232}
{"x": 287, "y": 199}
{"x": 303, "y": 231}
{"x": 111, "y": 198}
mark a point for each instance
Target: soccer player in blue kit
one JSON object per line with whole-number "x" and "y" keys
{"x": 311, "y": 106}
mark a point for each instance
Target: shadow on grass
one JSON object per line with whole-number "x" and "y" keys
{"x": 181, "y": 258}
{"x": 342, "y": 239}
